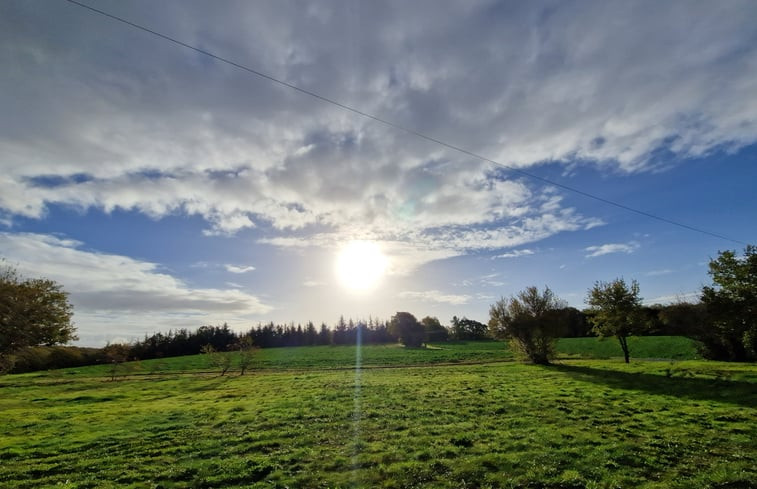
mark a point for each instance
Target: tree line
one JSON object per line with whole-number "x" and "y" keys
{"x": 724, "y": 321}
{"x": 35, "y": 317}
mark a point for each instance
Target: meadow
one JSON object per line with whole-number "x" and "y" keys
{"x": 451, "y": 416}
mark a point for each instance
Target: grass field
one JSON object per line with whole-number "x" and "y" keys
{"x": 663, "y": 347}
{"x": 329, "y": 357}
{"x": 440, "y": 422}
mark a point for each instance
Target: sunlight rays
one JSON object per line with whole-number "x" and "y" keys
{"x": 360, "y": 265}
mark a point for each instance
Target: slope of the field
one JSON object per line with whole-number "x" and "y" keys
{"x": 580, "y": 423}
{"x": 329, "y": 357}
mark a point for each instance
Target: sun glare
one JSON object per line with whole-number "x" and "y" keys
{"x": 360, "y": 265}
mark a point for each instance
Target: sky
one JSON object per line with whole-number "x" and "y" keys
{"x": 164, "y": 189}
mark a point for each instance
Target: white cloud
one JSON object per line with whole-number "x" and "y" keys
{"x": 672, "y": 299}
{"x": 609, "y": 248}
{"x": 515, "y": 253}
{"x": 238, "y": 269}
{"x": 488, "y": 280}
{"x": 407, "y": 250}
{"x": 135, "y": 297}
{"x": 313, "y": 283}
{"x": 435, "y": 296}
{"x": 604, "y": 83}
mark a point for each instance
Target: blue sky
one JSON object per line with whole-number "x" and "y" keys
{"x": 166, "y": 189}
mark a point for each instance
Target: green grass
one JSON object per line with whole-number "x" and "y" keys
{"x": 331, "y": 357}
{"x": 660, "y": 347}
{"x": 307, "y": 421}
{"x": 327, "y": 357}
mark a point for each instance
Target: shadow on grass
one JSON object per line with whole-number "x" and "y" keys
{"x": 698, "y": 389}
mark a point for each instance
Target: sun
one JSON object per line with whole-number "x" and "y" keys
{"x": 360, "y": 265}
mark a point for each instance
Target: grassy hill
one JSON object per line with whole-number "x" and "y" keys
{"x": 307, "y": 418}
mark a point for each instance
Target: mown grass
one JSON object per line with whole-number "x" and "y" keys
{"x": 580, "y": 423}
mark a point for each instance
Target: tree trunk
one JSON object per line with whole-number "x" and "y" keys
{"x": 624, "y": 345}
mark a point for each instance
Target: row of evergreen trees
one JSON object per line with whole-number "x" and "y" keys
{"x": 222, "y": 338}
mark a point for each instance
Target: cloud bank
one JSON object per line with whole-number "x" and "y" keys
{"x": 107, "y": 117}
{"x": 108, "y": 288}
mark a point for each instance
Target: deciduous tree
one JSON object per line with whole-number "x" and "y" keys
{"x": 32, "y": 312}
{"x": 409, "y": 331}
{"x": 731, "y": 304}
{"x": 616, "y": 311}
{"x": 246, "y": 353}
{"x": 219, "y": 360}
{"x": 530, "y": 321}
{"x": 434, "y": 331}
{"x": 468, "y": 329}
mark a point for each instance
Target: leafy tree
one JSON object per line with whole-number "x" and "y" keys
{"x": 573, "y": 322}
{"x": 468, "y": 329}
{"x": 531, "y": 321}
{"x": 731, "y": 304}
{"x": 32, "y": 312}
{"x": 616, "y": 311}
{"x": 434, "y": 331}
{"x": 683, "y": 319}
{"x": 409, "y": 331}
{"x": 217, "y": 359}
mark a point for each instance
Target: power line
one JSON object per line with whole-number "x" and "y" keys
{"x": 401, "y": 127}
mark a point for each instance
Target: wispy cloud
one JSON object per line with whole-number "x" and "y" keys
{"x": 238, "y": 269}
{"x": 313, "y": 283}
{"x": 672, "y": 299}
{"x": 609, "y": 248}
{"x": 487, "y": 280}
{"x": 515, "y": 254}
{"x": 435, "y": 296}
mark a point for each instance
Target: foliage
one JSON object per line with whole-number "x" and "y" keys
{"x": 434, "y": 331}
{"x": 467, "y": 329}
{"x": 531, "y": 320}
{"x": 404, "y": 326}
{"x": 115, "y": 355}
{"x": 587, "y": 424}
{"x": 616, "y": 311}
{"x": 51, "y": 357}
{"x": 731, "y": 304}
{"x": 247, "y": 351}
{"x": 185, "y": 342}
{"x": 32, "y": 312}
{"x": 573, "y": 323}
{"x": 683, "y": 318}
{"x": 217, "y": 359}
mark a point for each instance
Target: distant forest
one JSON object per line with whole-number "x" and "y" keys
{"x": 184, "y": 341}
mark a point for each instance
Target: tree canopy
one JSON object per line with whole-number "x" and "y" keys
{"x": 32, "y": 312}
{"x": 434, "y": 331}
{"x": 407, "y": 328}
{"x": 531, "y": 321}
{"x": 468, "y": 329}
{"x": 616, "y": 311}
{"x": 731, "y": 304}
